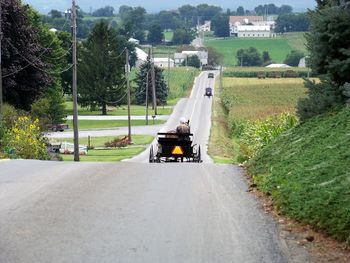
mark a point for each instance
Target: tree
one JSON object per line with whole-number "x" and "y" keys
{"x": 207, "y": 12}
{"x": 285, "y": 9}
{"x": 214, "y": 57}
{"x": 327, "y": 42}
{"x": 183, "y": 36}
{"x": 192, "y": 61}
{"x": 106, "y": 11}
{"x": 25, "y": 74}
{"x": 240, "y": 11}
{"x": 248, "y": 57}
{"x": 142, "y": 84}
{"x": 293, "y": 58}
{"x": 155, "y": 35}
{"x": 55, "y": 14}
{"x": 292, "y": 23}
{"x": 188, "y": 13}
{"x": 101, "y": 78}
{"x": 266, "y": 57}
{"x": 221, "y": 26}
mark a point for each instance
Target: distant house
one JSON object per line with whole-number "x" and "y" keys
{"x": 134, "y": 41}
{"x": 164, "y": 62}
{"x": 141, "y": 56}
{"x": 206, "y": 27}
{"x": 253, "y": 31}
{"x": 181, "y": 57}
{"x": 235, "y": 21}
{"x": 278, "y": 66}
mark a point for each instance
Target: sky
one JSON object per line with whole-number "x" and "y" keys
{"x": 44, "y": 6}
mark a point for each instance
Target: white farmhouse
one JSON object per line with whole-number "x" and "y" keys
{"x": 206, "y": 27}
{"x": 253, "y": 31}
{"x": 164, "y": 62}
{"x": 181, "y": 57}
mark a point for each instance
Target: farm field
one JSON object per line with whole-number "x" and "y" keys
{"x": 168, "y": 35}
{"x": 296, "y": 40}
{"x": 278, "y": 48}
{"x": 252, "y": 98}
{"x": 162, "y": 51}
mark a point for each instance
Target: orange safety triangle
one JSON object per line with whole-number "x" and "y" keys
{"x": 177, "y": 150}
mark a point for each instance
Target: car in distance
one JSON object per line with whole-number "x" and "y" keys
{"x": 210, "y": 75}
{"x": 208, "y": 92}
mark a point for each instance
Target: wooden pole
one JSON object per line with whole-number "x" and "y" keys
{"x": 74, "y": 84}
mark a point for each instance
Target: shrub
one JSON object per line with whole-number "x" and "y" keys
{"x": 123, "y": 142}
{"x": 23, "y": 140}
{"x": 259, "y": 133}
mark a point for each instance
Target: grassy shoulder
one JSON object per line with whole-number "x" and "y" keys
{"x": 105, "y": 124}
{"x": 306, "y": 172}
{"x": 101, "y": 154}
{"x": 221, "y": 148}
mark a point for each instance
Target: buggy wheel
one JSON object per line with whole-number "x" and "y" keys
{"x": 199, "y": 154}
{"x": 151, "y": 156}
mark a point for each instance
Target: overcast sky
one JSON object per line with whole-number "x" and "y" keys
{"x": 157, "y": 5}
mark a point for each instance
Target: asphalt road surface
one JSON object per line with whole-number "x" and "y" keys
{"x": 135, "y": 211}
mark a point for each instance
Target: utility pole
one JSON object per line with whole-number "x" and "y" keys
{"x": 1, "y": 99}
{"x": 147, "y": 79}
{"x": 220, "y": 78}
{"x": 74, "y": 84}
{"x": 168, "y": 68}
{"x": 153, "y": 85}
{"x": 127, "y": 69}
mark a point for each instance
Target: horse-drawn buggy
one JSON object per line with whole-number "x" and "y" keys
{"x": 175, "y": 147}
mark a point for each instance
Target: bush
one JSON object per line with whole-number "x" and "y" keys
{"x": 259, "y": 133}
{"x": 322, "y": 97}
{"x": 123, "y": 142}
{"x": 23, "y": 140}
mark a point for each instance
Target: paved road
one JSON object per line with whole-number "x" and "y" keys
{"x": 135, "y": 211}
{"x": 131, "y": 212}
{"x": 113, "y": 117}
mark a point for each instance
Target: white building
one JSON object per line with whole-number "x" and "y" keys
{"x": 134, "y": 41}
{"x": 141, "y": 56}
{"x": 206, "y": 27}
{"x": 164, "y": 62}
{"x": 253, "y": 31}
{"x": 181, "y": 57}
{"x": 278, "y": 66}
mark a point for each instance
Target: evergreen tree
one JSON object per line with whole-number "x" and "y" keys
{"x": 221, "y": 26}
{"x": 25, "y": 73}
{"x": 141, "y": 79}
{"x": 192, "y": 61}
{"x": 101, "y": 79}
{"x": 155, "y": 35}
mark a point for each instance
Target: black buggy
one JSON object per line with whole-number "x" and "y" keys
{"x": 175, "y": 147}
{"x": 208, "y": 92}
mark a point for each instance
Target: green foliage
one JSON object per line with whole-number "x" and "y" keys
{"x": 183, "y": 36}
{"x": 248, "y": 57}
{"x": 292, "y": 23}
{"x": 257, "y": 134}
{"x": 250, "y": 72}
{"x": 144, "y": 84}
{"x": 155, "y": 35}
{"x": 322, "y": 97}
{"x": 306, "y": 172}
{"x": 104, "y": 11}
{"x": 24, "y": 140}
{"x": 101, "y": 78}
{"x": 192, "y": 61}
{"x": 220, "y": 25}
{"x": 214, "y": 57}
{"x": 293, "y": 58}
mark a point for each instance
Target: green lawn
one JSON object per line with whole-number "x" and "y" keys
{"x": 106, "y": 155}
{"x": 168, "y": 35}
{"x": 136, "y": 110}
{"x": 100, "y": 141}
{"x": 278, "y": 48}
{"x": 101, "y": 124}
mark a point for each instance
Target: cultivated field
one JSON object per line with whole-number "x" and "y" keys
{"x": 297, "y": 41}
{"x": 278, "y": 48}
{"x": 252, "y": 98}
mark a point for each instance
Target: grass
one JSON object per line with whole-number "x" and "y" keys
{"x": 297, "y": 41}
{"x": 100, "y": 141}
{"x": 113, "y": 155}
{"x": 136, "y": 110}
{"x": 252, "y": 98}
{"x": 109, "y": 155}
{"x": 306, "y": 171}
{"x": 162, "y": 51}
{"x": 221, "y": 148}
{"x": 168, "y": 35}
{"x": 278, "y": 48}
{"x": 102, "y": 124}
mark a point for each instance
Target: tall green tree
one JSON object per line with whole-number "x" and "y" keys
{"x": 142, "y": 84}
{"x": 25, "y": 73}
{"x": 328, "y": 43}
{"x": 248, "y": 57}
{"x": 293, "y": 58}
{"x": 221, "y": 26}
{"x": 183, "y": 36}
{"x": 101, "y": 79}
{"x": 155, "y": 35}
{"x": 192, "y": 61}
